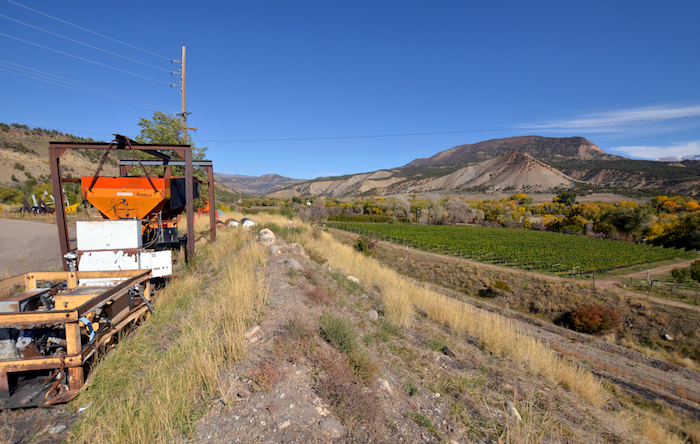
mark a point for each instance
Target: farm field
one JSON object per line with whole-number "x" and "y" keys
{"x": 526, "y": 249}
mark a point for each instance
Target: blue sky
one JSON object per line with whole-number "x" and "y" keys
{"x": 285, "y": 87}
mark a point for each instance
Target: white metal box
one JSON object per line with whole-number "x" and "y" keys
{"x": 160, "y": 262}
{"x": 108, "y": 234}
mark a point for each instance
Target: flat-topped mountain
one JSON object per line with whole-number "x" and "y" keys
{"x": 523, "y": 163}
{"x": 541, "y": 148}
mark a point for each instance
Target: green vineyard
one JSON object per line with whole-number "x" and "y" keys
{"x": 526, "y": 249}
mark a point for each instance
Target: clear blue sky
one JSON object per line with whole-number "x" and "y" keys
{"x": 261, "y": 70}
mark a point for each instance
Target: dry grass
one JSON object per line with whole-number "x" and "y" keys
{"x": 157, "y": 382}
{"x": 661, "y": 354}
{"x": 497, "y": 335}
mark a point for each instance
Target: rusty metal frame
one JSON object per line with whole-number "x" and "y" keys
{"x": 76, "y": 353}
{"x": 57, "y": 149}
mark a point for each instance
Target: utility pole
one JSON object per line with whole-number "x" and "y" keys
{"x": 184, "y": 113}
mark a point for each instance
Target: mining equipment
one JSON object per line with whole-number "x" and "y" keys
{"x": 52, "y": 323}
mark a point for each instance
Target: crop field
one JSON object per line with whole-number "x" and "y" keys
{"x": 532, "y": 250}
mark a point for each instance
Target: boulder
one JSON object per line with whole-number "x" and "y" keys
{"x": 297, "y": 249}
{"x": 251, "y": 332}
{"x": 513, "y": 411}
{"x": 384, "y": 385}
{"x": 373, "y": 315}
{"x": 292, "y": 263}
{"x": 267, "y": 237}
{"x": 274, "y": 249}
{"x": 332, "y": 427}
{"x": 354, "y": 279}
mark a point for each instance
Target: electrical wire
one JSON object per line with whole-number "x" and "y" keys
{"x": 515, "y": 128}
{"x": 88, "y": 30}
{"x": 77, "y": 83}
{"x": 33, "y": 77}
{"x": 85, "y": 44}
{"x": 83, "y": 59}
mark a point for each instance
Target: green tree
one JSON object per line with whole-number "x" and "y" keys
{"x": 568, "y": 198}
{"x": 166, "y": 130}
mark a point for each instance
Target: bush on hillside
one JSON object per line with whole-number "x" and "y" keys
{"x": 364, "y": 244}
{"x": 594, "y": 318}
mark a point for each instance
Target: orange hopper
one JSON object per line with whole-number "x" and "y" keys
{"x": 126, "y": 197}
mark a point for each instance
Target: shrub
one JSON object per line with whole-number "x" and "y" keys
{"x": 680, "y": 275}
{"x": 503, "y": 286}
{"x": 318, "y": 295}
{"x": 338, "y": 332}
{"x": 364, "y": 244}
{"x": 18, "y": 166}
{"x": 594, "y": 318}
{"x": 695, "y": 271}
{"x": 4, "y": 127}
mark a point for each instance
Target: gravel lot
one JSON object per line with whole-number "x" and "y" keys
{"x": 27, "y": 245}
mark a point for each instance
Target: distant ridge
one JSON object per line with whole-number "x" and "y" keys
{"x": 522, "y": 163}
{"x": 257, "y": 185}
{"x": 541, "y": 148}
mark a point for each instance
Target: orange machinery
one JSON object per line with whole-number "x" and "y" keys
{"x": 155, "y": 200}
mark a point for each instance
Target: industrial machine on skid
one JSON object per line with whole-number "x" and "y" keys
{"x": 50, "y": 329}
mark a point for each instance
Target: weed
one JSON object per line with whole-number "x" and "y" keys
{"x": 265, "y": 375}
{"x": 338, "y": 332}
{"x": 315, "y": 255}
{"x": 342, "y": 391}
{"x": 390, "y": 329}
{"x": 363, "y": 366}
{"x": 411, "y": 389}
{"x": 425, "y": 422}
{"x": 293, "y": 276}
{"x": 318, "y": 295}
{"x": 436, "y": 343}
{"x": 295, "y": 341}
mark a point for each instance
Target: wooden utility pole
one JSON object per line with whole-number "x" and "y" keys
{"x": 184, "y": 113}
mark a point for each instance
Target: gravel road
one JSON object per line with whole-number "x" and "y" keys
{"x": 27, "y": 245}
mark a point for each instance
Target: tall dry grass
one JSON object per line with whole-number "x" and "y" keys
{"x": 497, "y": 335}
{"x": 157, "y": 382}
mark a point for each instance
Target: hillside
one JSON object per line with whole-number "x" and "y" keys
{"x": 24, "y": 153}
{"x": 327, "y": 345}
{"x": 525, "y": 163}
{"x": 257, "y": 185}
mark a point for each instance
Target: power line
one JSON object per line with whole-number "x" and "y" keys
{"x": 77, "y": 83}
{"x": 74, "y": 88}
{"x": 515, "y": 128}
{"x": 84, "y": 44}
{"x": 88, "y": 30}
{"x": 84, "y": 59}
